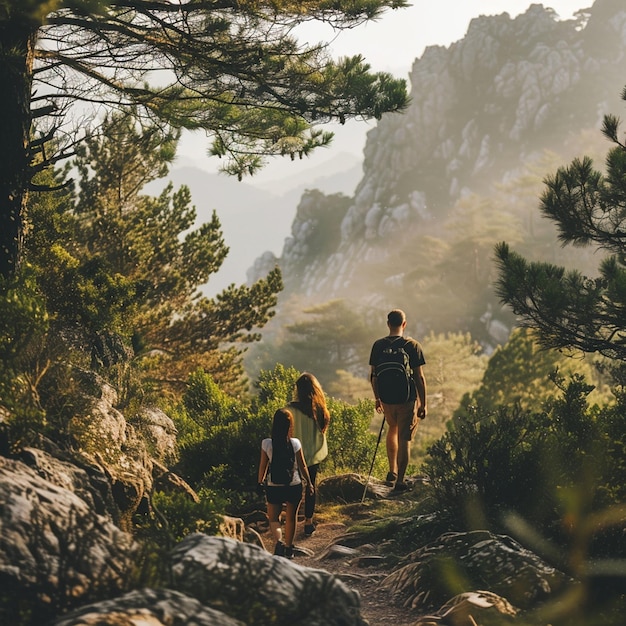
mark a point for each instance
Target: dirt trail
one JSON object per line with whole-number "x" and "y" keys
{"x": 363, "y": 573}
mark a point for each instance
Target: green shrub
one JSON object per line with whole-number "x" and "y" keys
{"x": 184, "y": 516}
{"x": 205, "y": 401}
{"x": 220, "y": 438}
{"x": 550, "y": 471}
{"x": 351, "y": 443}
{"x": 484, "y": 464}
{"x": 23, "y": 327}
{"x": 276, "y": 388}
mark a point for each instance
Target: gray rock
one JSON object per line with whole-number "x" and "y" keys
{"x": 55, "y": 550}
{"x": 105, "y": 440}
{"x": 430, "y": 576}
{"x": 159, "y": 432}
{"x": 148, "y": 607}
{"x": 256, "y": 587}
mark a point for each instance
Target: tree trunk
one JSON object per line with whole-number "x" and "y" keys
{"x": 17, "y": 42}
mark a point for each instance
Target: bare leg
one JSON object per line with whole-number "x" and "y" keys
{"x": 290, "y": 523}
{"x": 273, "y": 513}
{"x": 404, "y": 448}
{"x": 392, "y": 448}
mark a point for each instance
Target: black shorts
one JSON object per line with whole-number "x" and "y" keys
{"x": 280, "y": 495}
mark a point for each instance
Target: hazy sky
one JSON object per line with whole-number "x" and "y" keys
{"x": 390, "y": 44}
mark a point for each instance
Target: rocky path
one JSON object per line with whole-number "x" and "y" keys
{"x": 362, "y": 571}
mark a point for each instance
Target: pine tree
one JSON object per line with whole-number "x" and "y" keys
{"x": 231, "y": 69}
{"x": 116, "y": 261}
{"x": 568, "y": 309}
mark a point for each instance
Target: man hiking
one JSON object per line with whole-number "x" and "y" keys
{"x": 399, "y": 387}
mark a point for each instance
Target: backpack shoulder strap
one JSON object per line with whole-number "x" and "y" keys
{"x": 394, "y": 338}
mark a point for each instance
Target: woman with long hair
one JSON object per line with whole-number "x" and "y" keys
{"x": 282, "y": 464}
{"x": 310, "y": 423}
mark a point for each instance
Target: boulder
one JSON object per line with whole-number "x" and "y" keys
{"x": 248, "y": 583}
{"x": 345, "y": 488}
{"x": 56, "y": 551}
{"x": 464, "y": 562}
{"x": 148, "y": 607}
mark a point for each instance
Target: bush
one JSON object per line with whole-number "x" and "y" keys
{"x": 276, "y": 388}
{"x": 184, "y": 516}
{"x": 220, "y": 438}
{"x": 550, "y": 471}
{"x": 484, "y": 464}
{"x": 351, "y": 443}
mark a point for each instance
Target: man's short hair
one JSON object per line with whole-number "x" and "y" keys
{"x": 396, "y": 318}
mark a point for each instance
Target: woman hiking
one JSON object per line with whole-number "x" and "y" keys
{"x": 282, "y": 463}
{"x": 311, "y": 419}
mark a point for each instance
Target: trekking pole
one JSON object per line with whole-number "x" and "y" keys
{"x": 367, "y": 483}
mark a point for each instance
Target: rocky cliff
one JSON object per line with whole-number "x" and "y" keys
{"x": 482, "y": 109}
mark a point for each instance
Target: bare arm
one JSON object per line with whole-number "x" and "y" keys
{"x": 263, "y": 463}
{"x": 374, "y": 383}
{"x": 304, "y": 471}
{"x": 420, "y": 385}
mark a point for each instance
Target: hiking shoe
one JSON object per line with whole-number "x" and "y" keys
{"x": 288, "y": 552}
{"x": 391, "y": 479}
{"x": 400, "y": 487}
{"x": 279, "y": 549}
{"x": 309, "y": 529}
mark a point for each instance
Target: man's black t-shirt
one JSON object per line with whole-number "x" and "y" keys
{"x": 411, "y": 347}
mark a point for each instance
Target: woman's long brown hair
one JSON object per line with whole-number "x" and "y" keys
{"x": 282, "y": 426}
{"x": 310, "y": 397}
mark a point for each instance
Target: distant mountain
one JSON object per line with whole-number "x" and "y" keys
{"x": 419, "y": 231}
{"x": 257, "y": 218}
{"x": 339, "y": 174}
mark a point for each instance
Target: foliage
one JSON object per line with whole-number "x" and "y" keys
{"x": 185, "y": 516}
{"x": 518, "y": 374}
{"x": 234, "y": 71}
{"x": 323, "y": 339}
{"x": 555, "y": 469}
{"x": 348, "y": 387}
{"x": 351, "y": 443}
{"x": 330, "y": 336}
{"x": 455, "y": 363}
{"x": 220, "y": 437}
{"x": 24, "y": 324}
{"x": 568, "y": 309}
{"x": 117, "y": 266}
{"x": 276, "y": 387}
{"x": 259, "y": 99}
{"x": 152, "y": 243}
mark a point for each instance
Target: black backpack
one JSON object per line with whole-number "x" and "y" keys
{"x": 393, "y": 374}
{"x": 281, "y": 467}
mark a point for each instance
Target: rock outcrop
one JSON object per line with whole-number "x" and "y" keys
{"x": 56, "y": 550}
{"x": 129, "y": 453}
{"x": 481, "y": 110}
{"x": 148, "y": 607}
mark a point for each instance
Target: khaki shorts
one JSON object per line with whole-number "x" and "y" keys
{"x": 404, "y": 416}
